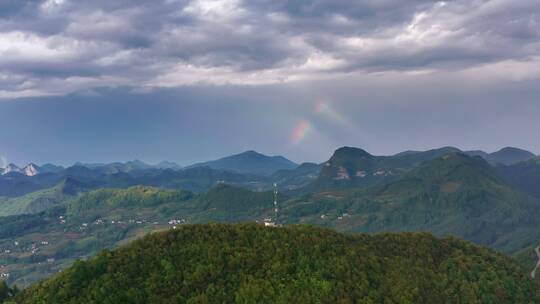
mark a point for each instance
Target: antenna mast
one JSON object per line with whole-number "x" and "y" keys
{"x": 275, "y": 203}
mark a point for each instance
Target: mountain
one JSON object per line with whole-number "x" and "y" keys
{"x": 168, "y": 165}
{"x": 509, "y": 156}
{"x": 139, "y": 165}
{"x": 453, "y": 194}
{"x": 351, "y": 167}
{"x": 116, "y": 167}
{"x": 41, "y": 200}
{"x": 410, "y": 159}
{"x": 523, "y": 176}
{"x": 450, "y": 195}
{"x": 225, "y": 203}
{"x": 18, "y": 184}
{"x": 506, "y": 156}
{"x": 252, "y": 264}
{"x": 102, "y": 201}
{"x": 486, "y": 156}
{"x": 250, "y": 162}
{"x": 11, "y": 168}
{"x": 82, "y": 224}
{"x": 50, "y": 168}
{"x": 31, "y": 170}
{"x": 133, "y": 165}
{"x": 442, "y": 191}
{"x": 296, "y": 178}
{"x": 198, "y": 179}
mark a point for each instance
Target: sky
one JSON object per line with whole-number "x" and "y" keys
{"x": 192, "y": 80}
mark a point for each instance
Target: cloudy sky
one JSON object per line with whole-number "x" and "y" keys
{"x": 191, "y": 80}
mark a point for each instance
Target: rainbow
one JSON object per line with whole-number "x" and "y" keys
{"x": 324, "y": 109}
{"x": 321, "y": 107}
{"x": 300, "y": 131}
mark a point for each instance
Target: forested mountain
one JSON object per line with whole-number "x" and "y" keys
{"x": 41, "y": 200}
{"x": 451, "y": 195}
{"x": 524, "y": 176}
{"x": 454, "y": 194}
{"x": 347, "y": 168}
{"x": 198, "y": 179}
{"x": 105, "y": 218}
{"x": 296, "y": 178}
{"x": 253, "y": 264}
{"x": 506, "y": 156}
{"x": 353, "y": 167}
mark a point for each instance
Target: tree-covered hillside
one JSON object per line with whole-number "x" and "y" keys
{"x": 37, "y": 245}
{"x": 355, "y": 168}
{"x": 524, "y": 176}
{"x": 249, "y": 263}
{"x": 454, "y": 194}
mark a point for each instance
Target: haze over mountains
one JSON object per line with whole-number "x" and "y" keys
{"x": 347, "y": 168}
{"x": 252, "y": 162}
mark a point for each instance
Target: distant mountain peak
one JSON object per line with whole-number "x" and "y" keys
{"x": 31, "y": 169}
{"x": 351, "y": 151}
{"x": 458, "y": 166}
{"x": 11, "y": 168}
{"x": 250, "y": 162}
{"x": 253, "y": 153}
{"x": 514, "y": 154}
{"x": 514, "y": 149}
{"x": 168, "y": 165}
{"x": 505, "y": 156}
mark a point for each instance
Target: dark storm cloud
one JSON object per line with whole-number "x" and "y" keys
{"x": 197, "y": 123}
{"x": 61, "y": 46}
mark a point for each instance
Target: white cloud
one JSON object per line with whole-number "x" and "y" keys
{"x": 15, "y": 46}
{"x": 50, "y": 5}
{"x": 214, "y": 10}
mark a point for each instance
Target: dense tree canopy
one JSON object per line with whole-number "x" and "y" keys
{"x": 248, "y": 263}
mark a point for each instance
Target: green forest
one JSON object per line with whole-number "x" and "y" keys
{"x": 248, "y": 263}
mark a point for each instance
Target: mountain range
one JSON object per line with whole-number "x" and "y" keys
{"x": 29, "y": 170}
{"x": 80, "y": 210}
{"x": 450, "y": 195}
{"x": 254, "y": 163}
